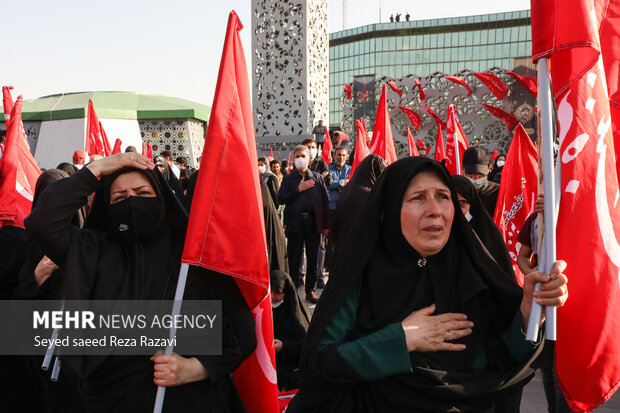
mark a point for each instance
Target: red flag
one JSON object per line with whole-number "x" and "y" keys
{"x": 7, "y": 101}
{"x": 573, "y": 35}
{"x": 18, "y": 173}
{"x": 143, "y": 148}
{"x": 361, "y": 148}
{"x": 459, "y": 81}
{"x": 434, "y": 116}
{"x": 149, "y": 150}
{"x": 288, "y": 158}
{"x": 419, "y": 85}
{"x": 382, "y": 140}
{"x": 421, "y": 144}
{"x": 229, "y": 178}
{"x": 494, "y": 83}
{"x": 117, "y": 146}
{"x": 511, "y": 121}
{"x": 392, "y": 85}
{"x": 326, "y": 154}
{"x": 528, "y": 82}
{"x": 415, "y": 119}
{"x": 413, "y": 151}
{"x": 341, "y": 137}
{"x": 94, "y": 139}
{"x": 271, "y": 153}
{"x": 495, "y": 154}
{"x": 347, "y": 90}
{"x": 517, "y": 192}
{"x": 106, "y": 142}
{"x": 454, "y": 134}
{"x": 440, "y": 153}
{"x": 279, "y": 154}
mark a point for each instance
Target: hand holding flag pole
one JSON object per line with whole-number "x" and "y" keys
{"x": 547, "y": 255}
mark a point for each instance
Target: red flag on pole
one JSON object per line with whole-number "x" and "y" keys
{"x": 459, "y": 81}
{"x": 361, "y": 147}
{"x": 149, "y": 150}
{"x": 392, "y": 85}
{"x": 413, "y": 151}
{"x": 517, "y": 192}
{"x": 229, "y": 178}
{"x": 415, "y": 119}
{"x": 494, "y": 84}
{"x": 326, "y": 154}
{"x": 440, "y": 153}
{"x": 382, "y": 140}
{"x": 288, "y": 158}
{"x": 420, "y": 90}
{"x": 94, "y": 140}
{"x": 455, "y": 133}
{"x": 279, "y": 155}
{"x": 347, "y": 90}
{"x": 434, "y": 116}
{"x": 117, "y": 146}
{"x": 271, "y": 153}
{"x": 18, "y": 173}
{"x": 511, "y": 121}
{"x": 573, "y": 35}
{"x": 106, "y": 143}
{"x": 7, "y": 101}
{"x": 495, "y": 154}
{"x": 528, "y": 82}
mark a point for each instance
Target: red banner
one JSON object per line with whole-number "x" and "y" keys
{"x": 413, "y": 150}
{"x": 459, "y": 81}
{"x": 326, "y": 154}
{"x": 434, "y": 116}
{"x": 440, "y": 153}
{"x": 415, "y": 119}
{"x": 347, "y": 91}
{"x": 455, "y": 134}
{"x": 94, "y": 139}
{"x": 7, "y": 101}
{"x": 117, "y": 146}
{"x": 420, "y": 90}
{"x": 494, "y": 84}
{"x": 382, "y": 140}
{"x": 392, "y": 85}
{"x": 511, "y": 121}
{"x": 361, "y": 145}
{"x": 528, "y": 82}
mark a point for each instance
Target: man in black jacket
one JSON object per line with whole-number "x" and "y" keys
{"x": 476, "y": 161}
{"x": 305, "y": 218}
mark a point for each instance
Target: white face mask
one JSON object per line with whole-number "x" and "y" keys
{"x": 262, "y": 169}
{"x": 301, "y": 163}
{"x": 500, "y": 163}
{"x": 478, "y": 183}
{"x": 468, "y": 216}
{"x": 277, "y": 305}
{"x": 313, "y": 153}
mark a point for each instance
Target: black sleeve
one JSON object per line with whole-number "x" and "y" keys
{"x": 49, "y": 224}
{"x": 13, "y": 243}
{"x": 328, "y": 177}
{"x": 291, "y": 346}
{"x": 274, "y": 187}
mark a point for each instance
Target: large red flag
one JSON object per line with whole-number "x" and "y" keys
{"x": 494, "y": 83}
{"x": 511, "y": 121}
{"x": 382, "y": 139}
{"x": 459, "y": 81}
{"x": 18, "y": 173}
{"x": 572, "y": 35}
{"x": 415, "y": 119}
{"x": 326, "y": 153}
{"x": 413, "y": 150}
{"x": 528, "y": 82}
{"x": 420, "y": 90}
{"x": 434, "y": 116}
{"x": 7, "y": 101}
{"x": 454, "y": 134}
{"x": 229, "y": 178}
{"x": 361, "y": 147}
{"x": 517, "y": 192}
{"x": 440, "y": 153}
{"x": 94, "y": 138}
{"x": 117, "y": 146}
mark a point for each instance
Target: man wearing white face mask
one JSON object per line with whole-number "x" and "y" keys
{"x": 304, "y": 193}
{"x": 476, "y": 162}
{"x": 270, "y": 179}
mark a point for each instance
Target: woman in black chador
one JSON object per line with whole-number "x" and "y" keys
{"x": 130, "y": 249}
{"x": 419, "y": 317}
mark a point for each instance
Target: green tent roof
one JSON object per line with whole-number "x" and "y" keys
{"x": 112, "y": 105}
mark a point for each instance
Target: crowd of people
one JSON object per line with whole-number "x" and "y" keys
{"x": 419, "y": 306}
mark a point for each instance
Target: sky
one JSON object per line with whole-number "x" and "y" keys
{"x": 170, "y": 48}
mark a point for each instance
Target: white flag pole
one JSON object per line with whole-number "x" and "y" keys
{"x": 176, "y": 310}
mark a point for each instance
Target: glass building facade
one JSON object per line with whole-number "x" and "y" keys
{"x": 423, "y": 47}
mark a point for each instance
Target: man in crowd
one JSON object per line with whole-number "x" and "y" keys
{"x": 175, "y": 169}
{"x": 319, "y": 133}
{"x": 340, "y": 172}
{"x": 131, "y": 148}
{"x": 476, "y": 161}
{"x": 78, "y": 159}
{"x": 422, "y": 151}
{"x": 304, "y": 193}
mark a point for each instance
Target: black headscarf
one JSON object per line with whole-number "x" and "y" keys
{"x": 69, "y": 168}
{"x": 353, "y": 197}
{"x": 394, "y": 281}
{"x": 276, "y": 241}
{"x": 296, "y": 309}
{"x": 483, "y": 224}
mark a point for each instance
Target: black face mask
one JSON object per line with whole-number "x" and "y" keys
{"x": 135, "y": 218}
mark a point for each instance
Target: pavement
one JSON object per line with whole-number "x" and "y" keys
{"x": 533, "y": 400}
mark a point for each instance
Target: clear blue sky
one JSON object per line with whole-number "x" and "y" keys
{"x": 171, "y": 48}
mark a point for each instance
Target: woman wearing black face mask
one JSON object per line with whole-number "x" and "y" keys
{"x": 130, "y": 248}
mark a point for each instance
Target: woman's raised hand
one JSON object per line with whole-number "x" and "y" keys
{"x": 426, "y": 332}
{"x": 112, "y": 163}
